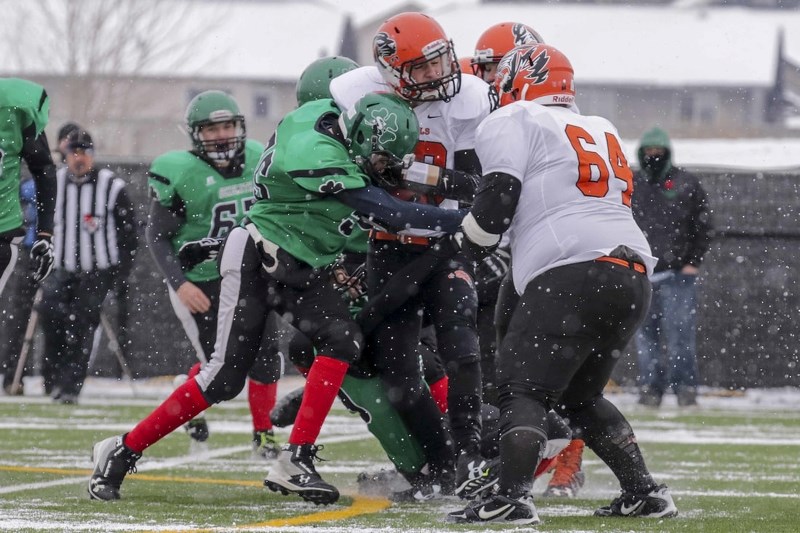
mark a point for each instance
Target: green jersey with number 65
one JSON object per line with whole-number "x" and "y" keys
{"x": 210, "y": 203}
{"x": 24, "y": 105}
{"x": 296, "y": 183}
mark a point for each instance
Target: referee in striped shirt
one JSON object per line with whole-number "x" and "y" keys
{"x": 94, "y": 241}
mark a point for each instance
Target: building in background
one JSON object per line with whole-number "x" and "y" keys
{"x": 699, "y": 70}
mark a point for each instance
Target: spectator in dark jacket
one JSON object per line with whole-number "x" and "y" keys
{"x": 671, "y": 207}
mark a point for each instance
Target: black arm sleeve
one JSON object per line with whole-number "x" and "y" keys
{"x": 162, "y": 225}
{"x": 496, "y": 202}
{"x": 126, "y": 230}
{"x": 461, "y": 183}
{"x": 398, "y": 215}
{"x": 36, "y": 153}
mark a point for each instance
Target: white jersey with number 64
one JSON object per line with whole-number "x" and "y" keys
{"x": 576, "y": 186}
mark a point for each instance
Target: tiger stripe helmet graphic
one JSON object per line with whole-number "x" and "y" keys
{"x": 540, "y": 73}
{"x": 524, "y": 34}
{"x": 500, "y": 38}
{"x": 384, "y": 46}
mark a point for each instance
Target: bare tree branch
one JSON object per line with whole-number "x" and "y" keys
{"x": 100, "y": 44}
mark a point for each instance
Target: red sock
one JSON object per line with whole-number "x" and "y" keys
{"x": 194, "y": 370}
{"x": 439, "y": 393}
{"x": 322, "y": 384}
{"x": 183, "y": 404}
{"x": 303, "y": 370}
{"x": 544, "y": 465}
{"x": 262, "y": 398}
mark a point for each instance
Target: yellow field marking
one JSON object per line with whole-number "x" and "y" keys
{"x": 37, "y": 470}
{"x": 361, "y": 504}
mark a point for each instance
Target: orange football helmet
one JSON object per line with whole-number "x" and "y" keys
{"x": 496, "y": 41}
{"x": 416, "y": 58}
{"x": 539, "y": 73}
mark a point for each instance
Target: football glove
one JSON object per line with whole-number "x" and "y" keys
{"x": 391, "y": 177}
{"x": 42, "y": 257}
{"x": 193, "y": 253}
{"x": 489, "y": 274}
{"x": 493, "y": 266}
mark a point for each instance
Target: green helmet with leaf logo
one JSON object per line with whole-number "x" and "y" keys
{"x": 315, "y": 79}
{"x": 380, "y": 123}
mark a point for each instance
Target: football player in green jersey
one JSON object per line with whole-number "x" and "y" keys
{"x": 313, "y": 182}
{"x": 362, "y": 391}
{"x": 24, "y": 108}
{"x": 198, "y": 197}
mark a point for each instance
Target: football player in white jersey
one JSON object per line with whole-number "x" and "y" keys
{"x": 496, "y": 295}
{"x": 559, "y": 183}
{"x": 493, "y": 271}
{"x": 415, "y": 59}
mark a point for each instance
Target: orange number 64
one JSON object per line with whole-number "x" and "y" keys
{"x": 586, "y": 160}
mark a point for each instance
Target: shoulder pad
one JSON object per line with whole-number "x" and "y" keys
{"x": 29, "y": 97}
{"x": 350, "y": 86}
{"x": 472, "y": 101}
{"x": 173, "y": 163}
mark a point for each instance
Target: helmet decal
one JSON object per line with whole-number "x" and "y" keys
{"x": 537, "y": 71}
{"x": 513, "y": 64}
{"x": 385, "y": 46}
{"x": 221, "y": 115}
{"x": 384, "y": 125}
{"x": 523, "y": 34}
{"x": 540, "y": 73}
{"x": 435, "y": 48}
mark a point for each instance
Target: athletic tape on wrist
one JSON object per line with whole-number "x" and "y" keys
{"x": 422, "y": 173}
{"x": 476, "y": 234}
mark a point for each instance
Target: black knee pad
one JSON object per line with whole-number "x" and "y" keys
{"x": 557, "y": 427}
{"x": 226, "y": 385}
{"x": 466, "y": 377}
{"x": 266, "y": 368}
{"x": 339, "y": 339}
{"x": 457, "y": 339}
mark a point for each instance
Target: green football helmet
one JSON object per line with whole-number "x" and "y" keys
{"x": 211, "y": 107}
{"x": 380, "y": 123}
{"x": 315, "y": 79}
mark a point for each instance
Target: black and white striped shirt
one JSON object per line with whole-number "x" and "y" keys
{"x": 95, "y": 227}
